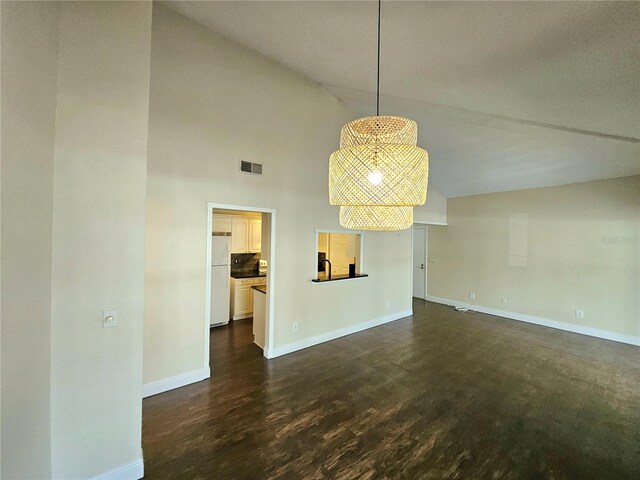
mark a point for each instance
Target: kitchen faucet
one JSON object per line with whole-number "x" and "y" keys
{"x": 327, "y": 260}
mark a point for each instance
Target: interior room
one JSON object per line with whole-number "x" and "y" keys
{"x": 319, "y": 239}
{"x": 238, "y": 275}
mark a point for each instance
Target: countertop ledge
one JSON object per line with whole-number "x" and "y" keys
{"x": 260, "y": 288}
{"x": 335, "y": 278}
{"x": 248, "y": 275}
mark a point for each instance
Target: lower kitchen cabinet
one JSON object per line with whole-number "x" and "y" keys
{"x": 242, "y": 296}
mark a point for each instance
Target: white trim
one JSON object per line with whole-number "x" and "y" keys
{"x": 178, "y": 381}
{"x": 325, "y": 337}
{"x": 130, "y": 471}
{"x": 569, "y": 327}
{"x": 271, "y": 275}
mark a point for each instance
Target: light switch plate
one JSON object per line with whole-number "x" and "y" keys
{"x": 109, "y": 318}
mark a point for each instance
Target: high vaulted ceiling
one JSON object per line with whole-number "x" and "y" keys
{"x": 507, "y": 95}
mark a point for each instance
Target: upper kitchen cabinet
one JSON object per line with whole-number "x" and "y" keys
{"x": 221, "y": 223}
{"x": 255, "y": 236}
{"x": 246, "y": 235}
{"x": 239, "y": 235}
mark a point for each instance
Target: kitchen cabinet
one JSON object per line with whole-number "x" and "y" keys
{"x": 222, "y": 223}
{"x": 246, "y": 235}
{"x": 242, "y": 296}
{"x": 243, "y": 304}
{"x": 240, "y": 235}
{"x": 338, "y": 246}
{"x": 255, "y": 236}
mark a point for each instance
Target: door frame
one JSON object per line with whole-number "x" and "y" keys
{"x": 271, "y": 275}
{"x": 423, "y": 227}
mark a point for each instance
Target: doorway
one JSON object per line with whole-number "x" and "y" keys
{"x": 240, "y": 264}
{"x": 419, "y": 263}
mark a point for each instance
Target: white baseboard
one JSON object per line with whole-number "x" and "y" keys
{"x": 325, "y": 337}
{"x": 130, "y": 471}
{"x": 167, "y": 384}
{"x": 569, "y": 327}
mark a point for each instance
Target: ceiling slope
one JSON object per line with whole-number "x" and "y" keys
{"x": 508, "y": 95}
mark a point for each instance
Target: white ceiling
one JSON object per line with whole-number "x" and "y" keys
{"x": 508, "y": 95}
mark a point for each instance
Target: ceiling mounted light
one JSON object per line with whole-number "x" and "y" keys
{"x": 379, "y": 174}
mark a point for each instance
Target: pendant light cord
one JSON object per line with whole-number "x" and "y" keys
{"x": 378, "y": 83}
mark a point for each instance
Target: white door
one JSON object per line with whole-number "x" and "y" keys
{"x": 220, "y": 291}
{"x": 419, "y": 262}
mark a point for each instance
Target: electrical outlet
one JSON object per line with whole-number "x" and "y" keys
{"x": 472, "y": 295}
{"x": 579, "y": 313}
{"x": 432, "y": 260}
{"x": 387, "y": 304}
{"x": 294, "y": 326}
{"x": 503, "y": 301}
{"x": 109, "y": 318}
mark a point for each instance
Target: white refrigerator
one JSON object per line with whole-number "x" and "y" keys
{"x": 220, "y": 278}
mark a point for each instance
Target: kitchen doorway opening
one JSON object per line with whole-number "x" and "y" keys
{"x": 240, "y": 275}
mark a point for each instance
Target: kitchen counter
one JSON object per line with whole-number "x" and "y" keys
{"x": 248, "y": 275}
{"x": 334, "y": 278}
{"x": 260, "y": 288}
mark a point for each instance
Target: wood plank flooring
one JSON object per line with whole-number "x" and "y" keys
{"x": 438, "y": 395}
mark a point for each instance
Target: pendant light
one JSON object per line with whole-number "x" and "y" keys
{"x": 373, "y": 217}
{"x": 379, "y": 174}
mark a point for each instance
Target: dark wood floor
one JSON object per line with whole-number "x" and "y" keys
{"x": 438, "y": 395}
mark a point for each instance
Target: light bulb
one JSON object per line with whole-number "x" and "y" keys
{"x": 375, "y": 177}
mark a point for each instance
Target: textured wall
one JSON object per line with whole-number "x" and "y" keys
{"x": 582, "y": 253}
{"x": 212, "y": 104}
{"x": 29, "y": 63}
{"x": 98, "y": 236}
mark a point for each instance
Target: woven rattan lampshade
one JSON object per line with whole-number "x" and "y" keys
{"x": 379, "y": 174}
{"x": 378, "y": 164}
{"x": 400, "y": 170}
{"x": 376, "y": 218}
{"x": 377, "y": 130}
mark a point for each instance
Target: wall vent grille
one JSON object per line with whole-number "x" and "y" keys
{"x": 249, "y": 167}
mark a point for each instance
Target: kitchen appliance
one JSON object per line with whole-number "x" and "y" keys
{"x": 220, "y": 278}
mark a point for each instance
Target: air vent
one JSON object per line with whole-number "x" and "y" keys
{"x": 248, "y": 167}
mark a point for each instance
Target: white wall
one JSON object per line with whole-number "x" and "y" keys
{"x": 212, "y": 104}
{"x": 583, "y": 254}
{"x": 98, "y": 236}
{"x": 29, "y": 61}
{"x": 434, "y": 211}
